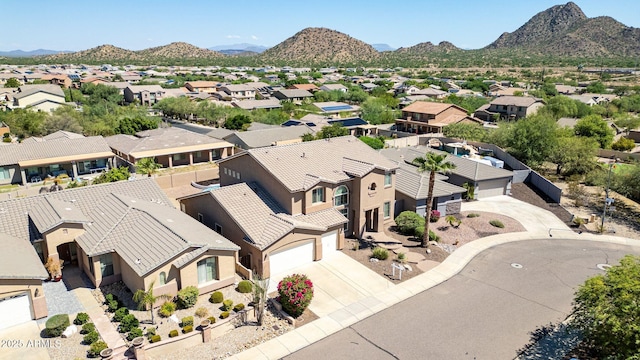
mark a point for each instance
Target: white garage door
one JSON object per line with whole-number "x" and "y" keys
{"x": 14, "y": 310}
{"x": 288, "y": 259}
{"x": 492, "y": 188}
{"x": 329, "y": 243}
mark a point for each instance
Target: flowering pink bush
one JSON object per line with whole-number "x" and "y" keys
{"x": 296, "y": 292}
{"x": 435, "y": 216}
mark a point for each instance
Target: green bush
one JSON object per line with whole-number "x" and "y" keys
{"x": 167, "y": 309}
{"x": 380, "y": 253}
{"x": 187, "y": 320}
{"x": 134, "y": 333}
{"x": 81, "y": 318}
{"x": 224, "y": 315}
{"x": 155, "y": 338}
{"x": 110, "y": 297}
{"x": 96, "y": 348}
{"x": 408, "y": 221}
{"x": 245, "y": 286}
{"x": 90, "y": 338}
{"x": 623, "y": 144}
{"x": 473, "y": 215}
{"x": 87, "y": 328}
{"x": 56, "y": 324}
{"x": 238, "y": 307}
{"x": 497, "y": 223}
{"x": 187, "y": 297}
{"x": 227, "y": 304}
{"x": 187, "y": 329}
{"x": 150, "y": 332}
{"x": 173, "y": 333}
{"x": 128, "y": 322}
{"x": 113, "y": 305}
{"x": 120, "y": 313}
{"x": 216, "y": 297}
{"x": 432, "y": 236}
{"x": 202, "y": 312}
{"x": 212, "y": 319}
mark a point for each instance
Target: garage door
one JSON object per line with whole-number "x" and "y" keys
{"x": 329, "y": 243}
{"x": 491, "y": 188}
{"x": 288, "y": 259}
{"x": 15, "y": 310}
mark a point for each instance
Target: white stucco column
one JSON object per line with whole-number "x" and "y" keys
{"x": 74, "y": 166}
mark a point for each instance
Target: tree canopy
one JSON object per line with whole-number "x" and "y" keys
{"x": 595, "y": 127}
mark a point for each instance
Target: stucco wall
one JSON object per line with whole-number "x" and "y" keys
{"x": 226, "y": 270}
{"x": 11, "y": 287}
{"x": 62, "y": 234}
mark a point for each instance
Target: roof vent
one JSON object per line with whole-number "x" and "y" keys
{"x": 302, "y": 155}
{"x": 138, "y": 261}
{"x": 170, "y": 220}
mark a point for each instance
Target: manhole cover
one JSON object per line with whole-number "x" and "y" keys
{"x": 516, "y": 265}
{"x": 603, "y": 266}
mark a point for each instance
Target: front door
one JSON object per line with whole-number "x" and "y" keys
{"x": 64, "y": 253}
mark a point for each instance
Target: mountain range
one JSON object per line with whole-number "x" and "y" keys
{"x": 562, "y": 30}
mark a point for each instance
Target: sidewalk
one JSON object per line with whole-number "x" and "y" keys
{"x": 104, "y": 326}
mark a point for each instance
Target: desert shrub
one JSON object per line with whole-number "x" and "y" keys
{"x": 87, "y": 328}
{"x": 167, "y": 309}
{"x": 497, "y": 223}
{"x": 380, "y": 253}
{"x": 202, "y": 312}
{"x": 216, "y": 297}
{"x": 245, "y": 286}
{"x": 187, "y": 320}
{"x": 296, "y": 293}
{"x": 187, "y": 297}
{"x": 113, "y": 305}
{"x": 224, "y": 315}
{"x": 408, "y": 221}
{"x": 402, "y": 257}
{"x": 432, "y": 236}
{"x": 435, "y": 216}
{"x": 90, "y": 338}
{"x": 578, "y": 221}
{"x": 227, "y": 304}
{"x": 212, "y": 319}
{"x": 134, "y": 333}
{"x": 110, "y": 297}
{"x": 623, "y": 144}
{"x": 56, "y": 324}
{"x": 150, "y": 332}
{"x": 155, "y": 338}
{"x": 173, "y": 333}
{"x": 187, "y": 329}
{"x": 81, "y": 318}
{"x": 238, "y": 307}
{"x": 128, "y": 322}
{"x": 473, "y": 215}
{"x": 96, "y": 348}
{"x": 120, "y": 313}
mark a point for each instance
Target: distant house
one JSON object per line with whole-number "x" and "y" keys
{"x": 238, "y": 92}
{"x": 509, "y": 107}
{"x": 423, "y": 117}
{"x": 144, "y": 94}
{"x": 355, "y": 125}
{"x": 368, "y": 87}
{"x": 202, "y": 86}
{"x": 268, "y": 137}
{"x": 331, "y": 87}
{"x": 257, "y": 104}
{"x": 58, "y": 79}
{"x": 293, "y": 95}
{"x": 334, "y": 107}
{"x": 566, "y": 89}
{"x": 308, "y": 87}
{"x": 169, "y": 147}
{"x": 39, "y": 97}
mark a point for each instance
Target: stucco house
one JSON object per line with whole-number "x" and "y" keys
{"x": 509, "y": 107}
{"x": 45, "y": 97}
{"x": 125, "y": 231}
{"x": 144, "y": 94}
{"x": 290, "y": 205}
{"x": 238, "y": 92}
{"x": 294, "y": 95}
{"x": 423, "y": 117}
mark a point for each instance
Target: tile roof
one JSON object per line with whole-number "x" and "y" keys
{"x": 262, "y": 219}
{"x": 267, "y": 137}
{"x": 163, "y": 141}
{"x": 525, "y": 101}
{"x": 416, "y": 185}
{"x": 301, "y": 166}
{"x": 427, "y": 107}
{"x": 30, "y": 151}
{"x": 48, "y": 212}
{"x": 293, "y": 93}
{"x": 27, "y": 90}
{"x": 19, "y": 260}
{"x": 257, "y": 104}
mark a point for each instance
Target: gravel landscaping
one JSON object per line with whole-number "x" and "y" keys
{"x": 70, "y": 348}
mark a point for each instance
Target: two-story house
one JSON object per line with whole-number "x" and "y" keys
{"x": 290, "y": 205}
{"x": 424, "y": 117}
{"x": 509, "y": 107}
{"x": 238, "y": 92}
{"x": 202, "y": 86}
{"x": 144, "y": 94}
{"x": 40, "y": 97}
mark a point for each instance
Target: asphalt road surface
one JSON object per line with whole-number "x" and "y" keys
{"x": 487, "y": 311}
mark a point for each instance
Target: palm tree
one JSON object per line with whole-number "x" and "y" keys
{"x": 147, "y": 299}
{"x": 432, "y": 163}
{"x": 147, "y": 166}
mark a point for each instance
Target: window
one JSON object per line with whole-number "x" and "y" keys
{"x": 317, "y": 195}
{"x": 207, "y": 270}
{"x": 106, "y": 265}
{"x": 198, "y": 154}
{"x": 386, "y": 209}
{"x": 200, "y": 217}
{"x": 372, "y": 186}
{"x": 4, "y": 173}
{"x": 345, "y": 213}
{"x": 162, "y": 278}
{"x": 387, "y": 179}
{"x": 341, "y": 196}
{"x": 218, "y": 229}
{"x": 226, "y": 171}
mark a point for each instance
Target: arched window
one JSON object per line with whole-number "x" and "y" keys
{"x": 372, "y": 186}
{"x": 341, "y": 196}
{"x": 163, "y": 278}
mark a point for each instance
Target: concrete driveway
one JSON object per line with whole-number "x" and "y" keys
{"x": 338, "y": 282}
{"x": 24, "y": 342}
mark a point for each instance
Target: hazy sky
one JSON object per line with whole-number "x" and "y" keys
{"x": 139, "y": 24}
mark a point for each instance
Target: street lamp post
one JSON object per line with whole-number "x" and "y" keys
{"x": 607, "y": 200}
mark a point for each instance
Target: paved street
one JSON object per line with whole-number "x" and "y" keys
{"x": 487, "y": 311}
